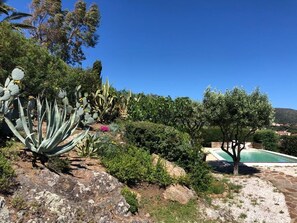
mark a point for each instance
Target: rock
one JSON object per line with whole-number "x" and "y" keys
{"x": 88, "y": 196}
{"x": 179, "y": 193}
{"x": 4, "y": 212}
{"x": 172, "y": 169}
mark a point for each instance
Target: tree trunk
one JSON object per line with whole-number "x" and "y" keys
{"x": 235, "y": 168}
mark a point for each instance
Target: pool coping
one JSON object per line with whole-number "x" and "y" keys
{"x": 218, "y": 157}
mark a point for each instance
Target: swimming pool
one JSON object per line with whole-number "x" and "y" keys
{"x": 257, "y": 157}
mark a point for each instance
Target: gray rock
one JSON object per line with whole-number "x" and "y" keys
{"x": 88, "y": 197}
{"x": 4, "y": 212}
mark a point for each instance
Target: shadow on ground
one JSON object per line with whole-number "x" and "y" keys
{"x": 227, "y": 168}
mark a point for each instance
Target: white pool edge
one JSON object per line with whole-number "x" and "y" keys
{"x": 218, "y": 157}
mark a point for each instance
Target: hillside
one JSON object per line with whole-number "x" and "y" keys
{"x": 285, "y": 116}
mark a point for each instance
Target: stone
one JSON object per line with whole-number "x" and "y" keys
{"x": 179, "y": 193}
{"x": 70, "y": 198}
{"x": 172, "y": 169}
{"x": 4, "y": 212}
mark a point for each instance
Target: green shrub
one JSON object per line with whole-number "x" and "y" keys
{"x": 211, "y": 134}
{"x": 157, "y": 138}
{"x": 7, "y": 175}
{"x": 58, "y": 164}
{"x": 200, "y": 176}
{"x": 133, "y": 165}
{"x": 289, "y": 145}
{"x": 173, "y": 146}
{"x": 131, "y": 199}
{"x": 214, "y": 134}
{"x": 130, "y": 165}
{"x": 268, "y": 138}
{"x": 160, "y": 175}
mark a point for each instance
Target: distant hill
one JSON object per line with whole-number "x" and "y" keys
{"x": 285, "y": 116}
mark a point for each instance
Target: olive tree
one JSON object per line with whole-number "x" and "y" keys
{"x": 238, "y": 116}
{"x": 189, "y": 118}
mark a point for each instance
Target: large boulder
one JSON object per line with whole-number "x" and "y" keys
{"x": 85, "y": 196}
{"x": 179, "y": 193}
{"x": 172, "y": 169}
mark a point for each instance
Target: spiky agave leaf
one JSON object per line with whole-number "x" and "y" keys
{"x": 58, "y": 130}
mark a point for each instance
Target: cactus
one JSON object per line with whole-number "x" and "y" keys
{"x": 85, "y": 110}
{"x": 58, "y": 129}
{"x": 123, "y": 104}
{"x": 104, "y": 102}
{"x": 10, "y": 90}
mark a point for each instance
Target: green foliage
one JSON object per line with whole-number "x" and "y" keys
{"x": 153, "y": 108}
{"x": 211, "y": 134}
{"x": 182, "y": 113}
{"x": 123, "y": 104}
{"x": 131, "y": 165}
{"x": 58, "y": 164}
{"x": 189, "y": 117}
{"x": 7, "y": 175}
{"x": 172, "y": 145}
{"x": 172, "y": 212}
{"x": 44, "y": 73}
{"x": 58, "y": 129}
{"x": 157, "y": 138}
{"x": 90, "y": 146}
{"x": 200, "y": 176}
{"x": 19, "y": 203}
{"x": 234, "y": 112}
{"x": 63, "y": 32}
{"x": 289, "y": 145}
{"x": 12, "y": 150}
{"x": 96, "y": 71}
{"x": 214, "y": 134}
{"x": 105, "y": 103}
{"x": 268, "y": 138}
{"x": 131, "y": 199}
{"x": 216, "y": 187}
{"x": 160, "y": 175}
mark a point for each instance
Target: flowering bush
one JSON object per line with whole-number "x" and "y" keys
{"x": 104, "y": 128}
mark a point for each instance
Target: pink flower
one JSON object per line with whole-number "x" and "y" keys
{"x": 104, "y": 128}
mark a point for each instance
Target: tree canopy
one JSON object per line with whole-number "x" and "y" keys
{"x": 64, "y": 33}
{"x": 238, "y": 116}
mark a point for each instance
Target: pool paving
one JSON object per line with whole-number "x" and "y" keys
{"x": 287, "y": 184}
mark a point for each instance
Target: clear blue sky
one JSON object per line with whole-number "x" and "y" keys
{"x": 180, "y": 47}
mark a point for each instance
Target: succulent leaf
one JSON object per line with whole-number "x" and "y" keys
{"x": 17, "y": 74}
{"x": 6, "y": 96}
{"x": 14, "y": 89}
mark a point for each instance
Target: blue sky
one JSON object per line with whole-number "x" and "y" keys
{"x": 180, "y": 47}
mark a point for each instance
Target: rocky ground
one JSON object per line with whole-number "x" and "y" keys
{"x": 89, "y": 194}
{"x": 257, "y": 201}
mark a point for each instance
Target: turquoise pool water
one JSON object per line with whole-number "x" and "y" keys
{"x": 258, "y": 156}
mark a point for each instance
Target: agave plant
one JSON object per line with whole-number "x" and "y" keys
{"x": 123, "y": 104}
{"x": 58, "y": 129}
{"x": 104, "y": 103}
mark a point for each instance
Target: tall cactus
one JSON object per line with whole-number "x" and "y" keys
{"x": 104, "y": 102}
{"x": 123, "y": 103}
{"x": 58, "y": 129}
